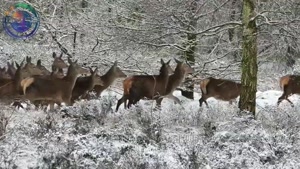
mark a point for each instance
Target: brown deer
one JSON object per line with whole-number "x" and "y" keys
{"x": 175, "y": 80}
{"x": 53, "y": 90}
{"x": 290, "y": 84}
{"x": 32, "y": 68}
{"x": 149, "y": 86}
{"x": 85, "y": 84}
{"x": 108, "y": 78}
{"x": 57, "y": 72}
{"x": 221, "y": 89}
{"x": 10, "y": 90}
{"x": 58, "y": 63}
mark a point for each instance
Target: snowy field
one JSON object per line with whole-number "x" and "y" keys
{"x": 91, "y": 134}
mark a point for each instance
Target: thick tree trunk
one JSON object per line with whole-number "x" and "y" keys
{"x": 249, "y": 61}
{"x": 190, "y": 57}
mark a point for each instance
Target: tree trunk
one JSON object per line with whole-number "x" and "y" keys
{"x": 190, "y": 57}
{"x": 249, "y": 61}
{"x": 189, "y": 54}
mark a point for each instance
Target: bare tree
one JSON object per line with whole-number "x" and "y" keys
{"x": 249, "y": 60}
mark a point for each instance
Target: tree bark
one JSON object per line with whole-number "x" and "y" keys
{"x": 249, "y": 61}
{"x": 190, "y": 52}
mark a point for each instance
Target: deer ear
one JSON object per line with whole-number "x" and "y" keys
{"x": 54, "y": 55}
{"x": 22, "y": 63}
{"x": 12, "y": 64}
{"x": 76, "y": 61}
{"x": 29, "y": 59}
{"x": 69, "y": 60}
{"x": 95, "y": 71}
{"x": 162, "y": 61}
{"x": 169, "y": 61}
{"x": 91, "y": 70}
{"x": 39, "y": 62}
{"x": 18, "y": 66}
{"x": 177, "y": 61}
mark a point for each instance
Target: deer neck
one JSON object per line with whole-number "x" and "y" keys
{"x": 163, "y": 77}
{"x": 108, "y": 78}
{"x": 71, "y": 77}
{"x": 175, "y": 80}
{"x": 178, "y": 75}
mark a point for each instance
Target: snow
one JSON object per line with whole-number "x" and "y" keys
{"x": 93, "y": 135}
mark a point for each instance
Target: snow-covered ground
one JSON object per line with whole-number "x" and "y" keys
{"x": 91, "y": 134}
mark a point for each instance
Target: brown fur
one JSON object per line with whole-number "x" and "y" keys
{"x": 85, "y": 84}
{"x": 221, "y": 89}
{"x": 284, "y": 81}
{"x": 58, "y": 62}
{"x": 290, "y": 84}
{"x": 148, "y": 86}
{"x": 203, "y": 85}
{"x": 10, "y": 90}
{"x": 108, "y": 78}
{"x": 44, "y": 70}
{"x": 54, "y": 90}
{"x": 175, "y": 80}
{"x": 127, "y": 83}
{"x": 4, "y": 74}
{"x": 57, "y": 72}
{"x": 25, "y": 83}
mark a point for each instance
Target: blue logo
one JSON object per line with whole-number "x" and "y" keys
{"x": 21, "y": 21}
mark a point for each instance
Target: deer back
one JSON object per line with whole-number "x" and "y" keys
{"x": 85, "y": 84}
{"x": 57, "y": 90}
{"x": 290, "y": 83}
{"x": 149, "y": 86}
{"x": 220, "y": 88}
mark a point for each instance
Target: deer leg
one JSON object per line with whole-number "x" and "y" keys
{"x": 158, "y": 102}
{"x": 200, "y": 102}
{"x": 17, "y": 104}
{"x": 120, "y": 101}
{"x": 203, "y": 99}
{"x": 284, "y": 97}
{"x": 290, "y": 102}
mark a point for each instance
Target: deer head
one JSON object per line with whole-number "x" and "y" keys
{"x": 184, "y": 67}
{"x": 96, "y": 79}
{"x": 166, "y": 66}
{"x": 42, "y": 68}
{"x": 30, "y": 68}
{"x": 58, "y": 62}
{"x": 117, "y": 71}
{"x": 74, "y": 69}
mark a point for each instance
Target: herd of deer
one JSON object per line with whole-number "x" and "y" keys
{"x": 42, "y": 87}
